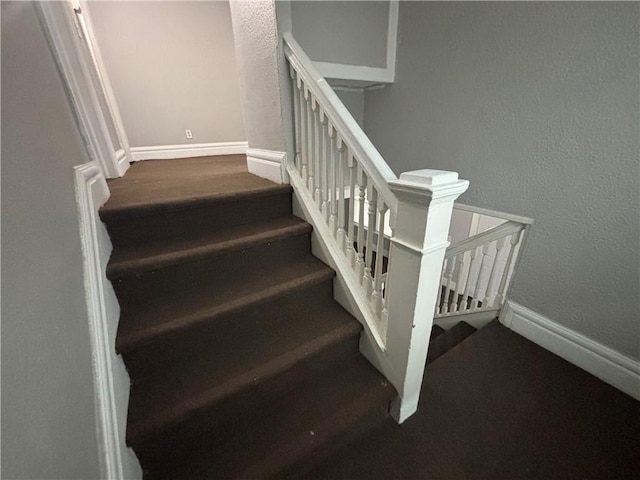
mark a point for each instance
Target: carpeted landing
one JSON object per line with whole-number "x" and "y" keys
{"x": 243, "y": 366}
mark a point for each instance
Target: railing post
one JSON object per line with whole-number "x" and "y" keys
{"x": 425, "y": 205}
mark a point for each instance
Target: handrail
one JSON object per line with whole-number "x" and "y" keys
{"x": 352, "y": 134}
{"x": 493, "y": 213}
{"x": 485, "y": 237}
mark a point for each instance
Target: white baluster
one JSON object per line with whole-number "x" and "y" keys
{"x": 515, "y": 239}
{"x": 331, "y": 221}
{"x": 311, "y": 160}
{"x": 362, "y": 188}
{"x": 377, "y": 285}
{"x": 296, "y": 114}
{"x": 340, "y": 204}
{"x": 324, "y": 162}
{"x": 478, "y": 291}
{"x": 455, "y": 306}
{"x": 352, "y": 200}
{"x": 494, "y": 270}
{"x": 448, "y": 274}
{"x": 467, "y": 286}
{"x": 316, "y": 153}
{"x": 372, "y": 198}
{"x": 305, "y": 144}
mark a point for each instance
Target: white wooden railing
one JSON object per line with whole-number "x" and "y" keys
{"x": 477, "y": 272}
{"x": 359, "y": 208}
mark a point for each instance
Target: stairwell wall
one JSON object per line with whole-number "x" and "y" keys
{"x": 48, "y": 417}
{"x": 537, "y": 105}
{"x": 173, "y": 67}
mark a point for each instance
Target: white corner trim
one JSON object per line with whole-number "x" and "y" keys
{"x": 164, "y": 152}
{"x": 267, "y": 164}
{"x": 120, "y": 158}
{"x": 91, "y": 193}
{"x": 392, "y": 38}
{"x": 361, "y": 73}
{"x": 601, "y": 361}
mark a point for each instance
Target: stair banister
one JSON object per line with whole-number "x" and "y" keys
{"x": 396, "y": 306}
{"x": 372, "y": 162}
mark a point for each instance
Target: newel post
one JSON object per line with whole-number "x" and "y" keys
{"x": 425, "y": 205}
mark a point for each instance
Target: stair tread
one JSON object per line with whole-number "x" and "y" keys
{"x": 316, "y": 412}
{"x": 141, "y": 195}
{"x": 128, "y": 261}
{"x": 448, "y": 340}
{"x": 171, "y": 397}
{"x": 436, "y": 331}
{"x": 170, "y": 313}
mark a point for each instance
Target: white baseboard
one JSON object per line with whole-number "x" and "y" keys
{"x": 164, "y": 152}
{"x": 601, "y": 361}
{"x": 111, "y": 382}
{"x": 267, "y": 164}
{"x": 121, "y": 161}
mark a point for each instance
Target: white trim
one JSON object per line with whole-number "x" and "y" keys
{"x": 392, "y": 37}
{"x": 63, "y": 36}
{"x": 605, "y": 363}
{"x": 91, "y": 192}
{"x": 267, "y": 164}
{"x": 121, "y": 159}
{"x": 361, "y": 73}
{"x": 163, "y": 152}
{"x": 96, "y": 55}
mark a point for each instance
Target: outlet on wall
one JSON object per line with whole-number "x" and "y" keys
{"x": 188, "y": 133}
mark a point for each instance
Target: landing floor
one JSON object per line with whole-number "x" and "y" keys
{"x": 499, "y": 407}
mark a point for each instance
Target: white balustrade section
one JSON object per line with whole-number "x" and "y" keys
{"x": 477, "y": 271}
{"x": 386, "y": 237}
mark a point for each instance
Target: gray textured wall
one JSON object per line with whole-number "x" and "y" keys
{"x": 537, "y": 105}
{"x": 348, "y": 32}
{"x": 354, "y": 101}
{"x": 261, "y": 71}
{"x": 172, "y": 66}
{"x": 48, "y": 423}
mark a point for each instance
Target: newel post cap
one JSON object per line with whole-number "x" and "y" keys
{"x": 426, "y": 186}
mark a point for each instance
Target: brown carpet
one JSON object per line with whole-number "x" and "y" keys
{"x": 499, "y": 407}
{"x": 241, "y": 363}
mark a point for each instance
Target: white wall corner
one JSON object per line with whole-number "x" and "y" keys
{"x": 269, "y": 164}
{"x": 601, "y": 361}
{"x": 121, "y": 161}
{"x": 165, "y": 152}
{"x": 111, "y": 381}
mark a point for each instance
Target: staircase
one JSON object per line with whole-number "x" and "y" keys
{"x": 241, "y": 363}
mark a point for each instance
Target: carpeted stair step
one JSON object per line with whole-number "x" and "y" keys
{"x": 144, "y": 214}
{"x": 445, "y": 342}
{"x": 137, "y": 259}
{"x": 436, "y": 331}
{"x": 171, "y": 314}
{"x": 233, "y": 331}
{"x": 166, "y": 411}
{"x": 290, "y": 435}
{"x": 219, "y": 269}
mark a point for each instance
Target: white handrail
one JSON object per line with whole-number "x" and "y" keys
{"x": 493, "y": 213}
{"x": 485, "y": 237}
{"x": 352, "y": 134}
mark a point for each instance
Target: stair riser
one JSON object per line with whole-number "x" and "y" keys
{"x": 236, "y": 331}
{"x": 128, "y": 230}
{"x": 364, "y": 423}
{"x": 214, "y": 271}
{"x": 154, "y": 450}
